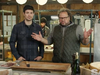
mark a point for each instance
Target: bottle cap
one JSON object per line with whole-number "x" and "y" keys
{"x": 76, "y": 53}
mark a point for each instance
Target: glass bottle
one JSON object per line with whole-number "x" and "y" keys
{"x": 72, "y": 65}
{"x": 76, "y": 66}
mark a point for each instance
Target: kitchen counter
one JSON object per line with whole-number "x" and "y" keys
{"x": 42, "y": 66}
{"x": 18, "y": 72}
{"x": 34, "y": 73}
{"x": 39, "y": 68}
{"x": 48, "y": 53}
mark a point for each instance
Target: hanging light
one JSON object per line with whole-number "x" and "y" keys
{"x": 21, "y": 1}
{"x": 41, "y": 2}
{"x": 62, "y": 1}
{"x": 87, "y": 1}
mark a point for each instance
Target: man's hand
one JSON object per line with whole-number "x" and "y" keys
{"x": 87, "y": 33}
{"x": 21, "y": 58}
{"x": 37, "y": 37}
{"x": 38, "y": 58}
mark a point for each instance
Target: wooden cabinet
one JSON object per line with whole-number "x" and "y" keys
{"x": 47, "y": 56}
{"x": 84, "y": 57}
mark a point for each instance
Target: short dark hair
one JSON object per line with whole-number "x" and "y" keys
{"x": 26, "y": 7}
{"x": 43, "y": 20}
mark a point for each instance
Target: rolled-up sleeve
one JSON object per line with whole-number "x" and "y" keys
{"x": 50, "y": 38}
{"x": 80, "y": 34}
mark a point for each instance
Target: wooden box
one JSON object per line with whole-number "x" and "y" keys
{"x": 85, "y": 71}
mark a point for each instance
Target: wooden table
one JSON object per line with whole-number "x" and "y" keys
{"x": 43, "y": 66}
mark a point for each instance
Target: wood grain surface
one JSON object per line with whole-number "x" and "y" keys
{"x": 42, "y": 66}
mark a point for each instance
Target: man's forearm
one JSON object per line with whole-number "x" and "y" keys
{"x": 44, "y": 41}
{"x": 85, "y": 41}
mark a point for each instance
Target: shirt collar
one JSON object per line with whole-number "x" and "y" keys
{"x": 70, "y": 24}
{"x": 31, "y": 24}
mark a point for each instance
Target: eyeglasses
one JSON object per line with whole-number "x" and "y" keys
{"x": 63, "y": 17}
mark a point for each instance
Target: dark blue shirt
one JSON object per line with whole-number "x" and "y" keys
{"x": 27, "y": 47}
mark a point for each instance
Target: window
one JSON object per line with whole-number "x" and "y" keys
{"x": 8, "y": 25}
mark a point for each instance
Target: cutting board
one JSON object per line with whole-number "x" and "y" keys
{"x": 42, "y": 66}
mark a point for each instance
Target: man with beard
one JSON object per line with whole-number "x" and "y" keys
{"x": 66, "y": 38}
{"x": 27, "y": 47}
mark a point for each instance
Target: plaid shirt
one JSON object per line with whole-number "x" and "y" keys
{"x": 27, "y": 47}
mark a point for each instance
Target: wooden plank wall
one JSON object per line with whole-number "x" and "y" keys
{"x": 48, "y": 7}
{"x": 85, "y": 6}
{"x": 45, "y": 7}
{"x": 10, "y": 8}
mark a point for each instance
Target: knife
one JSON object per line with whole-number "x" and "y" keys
{"x": 18, "y": 62}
